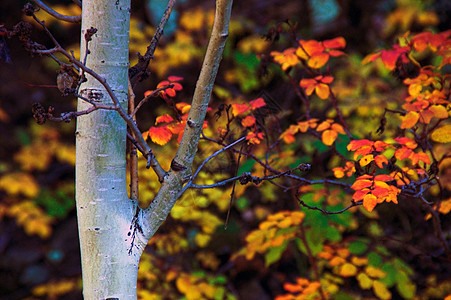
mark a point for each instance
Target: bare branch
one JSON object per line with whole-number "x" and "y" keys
{"x": 140, "y": 68}
{"x": 326, "y": 212}
{"x": 206, "y": 161}
{"x": 145, "y": 99}
{"x": 133, "y": 154}
{"x": 146, "y": 150}
{"x": 170, "y": 189}
{"x": 437, "y": 225}
{"x": 70, "y": 19}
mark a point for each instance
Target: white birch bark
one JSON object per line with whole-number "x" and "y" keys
{"x": 113, "y": 230}
{"x": 104, "y": 210}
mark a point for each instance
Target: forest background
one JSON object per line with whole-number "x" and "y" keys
{"x": 391, "y": 252}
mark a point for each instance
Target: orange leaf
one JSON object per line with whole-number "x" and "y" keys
{"x": 325, "y": 79}
{"x": 381, "y": 160}
{"x": 293, "y": 288}
{"x": 257, "y": 103}
{"x": 358, "y": 195}
{"x": 248, "y": 121}
{"x": 160, "y": 135}
{"x": 365, "y": 150}
{"x": 311, "y": 47}
{"x": 439, "y": 111}
{"x": 409, "y": 120}
{"x": 338, "y": 42}
{"x": 328, "y": 137}
{"x": 409, "y": 143}
{"x": 323, "y": 126}
{"x": 164, "y": 119}
{"x": 369, "y": 202}
{"x": 383, "y": 177}
{"x": 338, "y": 128}
{"x": 240, "y": 108}
{"x": 426, "y": 116}
{"x": 356, "y": 144}
{"x": 369, "y": 58}
{"x": 403, "y": 153}
{"x": 183, "y": 107}
{"x": 318, "y": 60}
{"x": 307, "y": 82}
{"x": 361, "y": 183}
{"x": 175, "y": 78}
{"x": 380, "y": 192}
{"x": 322, "y": 90}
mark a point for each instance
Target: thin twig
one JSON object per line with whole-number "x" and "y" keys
{"x": 232, "y": 193}
{"x": 145, "y": 99}
{"x": 70, "y": 19}
{"x": 144, "y": 147}
{"x": 326, "y": 212}
{"x": 437, "y": 226}
{"x": 193, "y": 177}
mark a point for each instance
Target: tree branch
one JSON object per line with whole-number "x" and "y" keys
{"x": 180, "y": 170}
{"x": 70, "y": 19}
{"x": 140, "y": 68}
{"x": 146, "y": 150}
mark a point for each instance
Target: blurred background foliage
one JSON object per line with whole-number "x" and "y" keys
{"x": 269, "y": 241}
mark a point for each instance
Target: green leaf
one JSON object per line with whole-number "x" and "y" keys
{"x": 390, "y": 279}
{"x": 241, "y": 203}
{"x": 246, "y": 166}
{"x": 374, "y": 259}
{"x": 404, "y": 286}
{"x": 333, "y": 234}
{"x": 274, "y": 254}
{"x": 357, "y": 247}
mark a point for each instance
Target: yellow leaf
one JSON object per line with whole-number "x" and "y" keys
{"x": 375, "y": 272}
{"x": 381, "y": 291}
{"x": 366, "y": 160}
{"x": 442, "y": 134}
{"x": 202, "y": 239}
{"x": 347, "y": 270}
{"x": 359, "y": 261}
{"x": 19, "y": 183}
{"x": 364, "y": 281}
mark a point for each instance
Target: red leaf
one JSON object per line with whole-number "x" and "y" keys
{"x": 257, "y": 103}
{"x": 175, "y": 78}
{"x": 356, "y": 144}
{"x": 248, "y": 121}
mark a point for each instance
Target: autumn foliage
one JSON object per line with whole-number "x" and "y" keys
{"x": 339, "y": 189}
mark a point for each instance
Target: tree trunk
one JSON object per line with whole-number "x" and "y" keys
{"x": 104, "y": 211}
{"x": 113, "y": 230}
